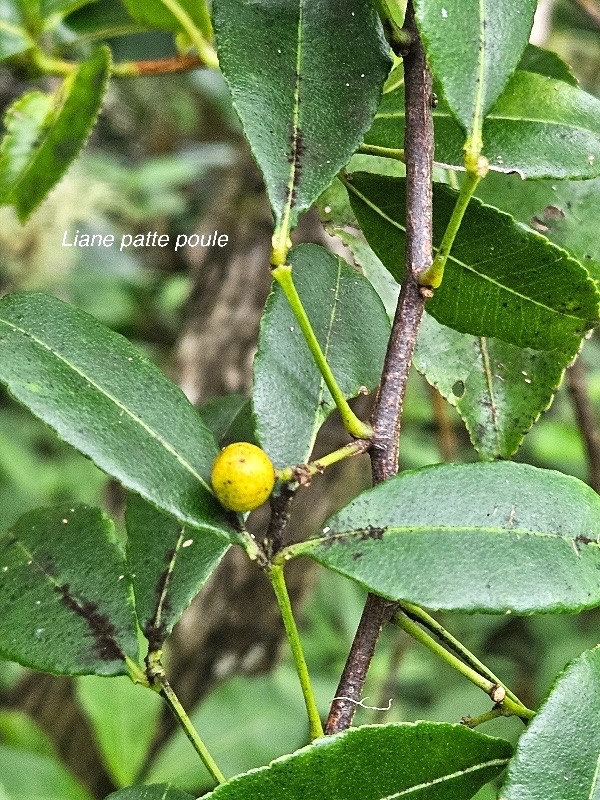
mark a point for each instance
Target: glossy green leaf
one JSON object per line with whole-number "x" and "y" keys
{"x": 66, "y": 601}
{"x": 473, "y": 47}
{"x": 379, "y": 762}
{"x": 162, "y": 791}
{"x": 102, "y": 20}
{"x": 536, "y": 295}
{"x": 498, "y": 389}
{"x": 14, "y": 37}
{"x": 494, "y": 538}
{"x": 124, "y": 719}
{"x": 155, "y": 14}
{"x": 111, "y": 403}
{"x": 290, "y": 398}
{"x": 566, "y": 212}
{"x": 45, "y": 134}
{"x": 545, "y": 62}
{"x": 539, "y": 128}
{"x": 305, "y": 97}
{"x": 30, "y": 776}
{"x": 558, "y": 756}
{"x": 169, "y": 564}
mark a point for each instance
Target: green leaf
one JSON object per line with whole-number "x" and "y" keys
{"x": 473, "y": 47}
{"x": 566, "y": 212}
{"x": 423, "y": 760}
{"x": 539, "y": 128}
{"x": 155, "y": 14}
{"x": 60, "y": 8}
{"x": 229, "y": 419}
{"x": 169, "y": 564}
{"x": 536, "y": 295}
{"x": 495, "y": 538}
{"x": 25, "y": 776}
{"x": 103, "y": 397}
{"x": 558, "y": 756}
{"x": 102, "y": 20}
{"x": 305, "y": 97}
{"x": 498, "y": 389}
{"x": 162, "y": 791}
{"x": 290, "y": 398}
{"x": 545, "y": 62}
{"x": 66, "y": 599}
{"x": 124, "y": 719}
{"x": 14, "y": 38}
{"x": 45, "y": 134}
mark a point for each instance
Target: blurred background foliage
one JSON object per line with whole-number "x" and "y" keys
{"x": 155, "y": 163}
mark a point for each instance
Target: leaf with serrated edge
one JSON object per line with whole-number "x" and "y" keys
{"x": 558, "y": 756}
{"x": 111, "y": 403}
{"x": 169, "y": 564}
{"x": 67, "y": 605}
{"x": 538, "y": 128}
{"x": 473, "y": 47}
{"x": 501, "y": 279}
{"x": 497, "y": 537}
{"x": 379, "y": 762}
{"x": 54, "y": 140}
{"x": 290, "y": 398}
{"x": 498, "y": 389}
{"x": 274, "y": 56}
{"x": 566, "y": 212}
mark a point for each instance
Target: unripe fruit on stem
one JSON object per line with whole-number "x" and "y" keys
{"x": 242, "y": 476}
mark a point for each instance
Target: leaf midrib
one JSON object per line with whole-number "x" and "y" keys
{"x": 494, "y": 762}
{"x": 374, "y": 207}
{"x": 402, "y": 530}
{"x": 151, "y": 432}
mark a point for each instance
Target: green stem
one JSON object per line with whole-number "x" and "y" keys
{"x": 157, "y": 677}
{"x": 360, "y": 430}
{"x": 52, "y": 66}
{"x": 487, "y": 716}
{"x": 433, "y": 276}
{"x": 425, "y": 619}
{"x": 205, "y": 50}
{"x": 318, "y": 466}
{"x": 136, "y": 674}
{"x": 277, "y": 579}
{"x": 384, "y": 152}
{"x": 494, "y": 690}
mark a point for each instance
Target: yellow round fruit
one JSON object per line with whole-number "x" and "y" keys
{"x": 242, "y": 476}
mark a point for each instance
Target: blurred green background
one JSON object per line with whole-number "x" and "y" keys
{"x": 162, "y": 149}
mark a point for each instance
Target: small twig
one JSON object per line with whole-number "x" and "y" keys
{"x": 450, "y": 642}
{"x": 158, "y": 679}
{"x": 418, "y": 148}
{"x": 303, "y": 473}
{"x": 275, "y": 574}
{"x": 281, "y": 506}
{"x": 157, "y": 66}
{"x": 495, "y": 691}
{"x": 587, "y": 420}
